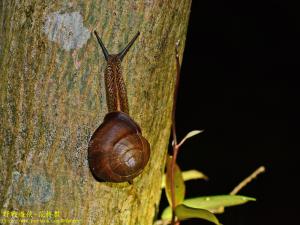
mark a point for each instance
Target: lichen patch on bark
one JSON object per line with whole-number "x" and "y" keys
{"x": 66, "y": 29}
{"x": 37, "y": 189}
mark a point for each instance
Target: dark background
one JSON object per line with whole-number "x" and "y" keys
{"x": 239, "y": 84}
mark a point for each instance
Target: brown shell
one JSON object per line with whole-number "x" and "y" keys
{"x": 117, "y": 150}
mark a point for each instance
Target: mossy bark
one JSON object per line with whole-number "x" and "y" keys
{"x": 53, "y": 99}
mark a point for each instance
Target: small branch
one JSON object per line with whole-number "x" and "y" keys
{"x": 173, "y": 162}
{"x": 175, "y": 93}
{"x": 175, "y": 145}
{"x": 247, "y": 180}
{"x": 258, "y": 171}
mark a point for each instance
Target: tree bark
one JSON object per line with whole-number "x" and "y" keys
{"x": 53, "y": 99}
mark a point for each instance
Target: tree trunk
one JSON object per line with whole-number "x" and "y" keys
{"x": 53, "y": 99}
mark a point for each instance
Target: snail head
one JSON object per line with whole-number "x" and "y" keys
{"x": 121, "y": 54}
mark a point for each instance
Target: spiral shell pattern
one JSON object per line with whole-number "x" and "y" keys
{"x": 117, "y": 150}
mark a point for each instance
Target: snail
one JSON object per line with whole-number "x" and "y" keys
{"x": 117, "y": 150}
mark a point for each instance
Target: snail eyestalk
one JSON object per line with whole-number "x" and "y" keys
{"x": 125, "y": 50}
{"x": 104, "y": 50}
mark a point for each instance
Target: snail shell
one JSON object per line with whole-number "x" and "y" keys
{"x": 117, "y": 151}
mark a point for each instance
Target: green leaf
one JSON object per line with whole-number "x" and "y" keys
{"x": 189, "y": 135}
{"x": 178, "y": 183}
{"x": 211, "y": 203}
{"x": 187, "y": 175}
{"x": 193, "y": 174}
{"x": 184, "y": 212}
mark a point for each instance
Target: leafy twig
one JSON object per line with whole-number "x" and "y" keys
{"x": 175, "y": 203}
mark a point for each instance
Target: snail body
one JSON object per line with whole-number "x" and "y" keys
{"x": 117, "y": 150}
